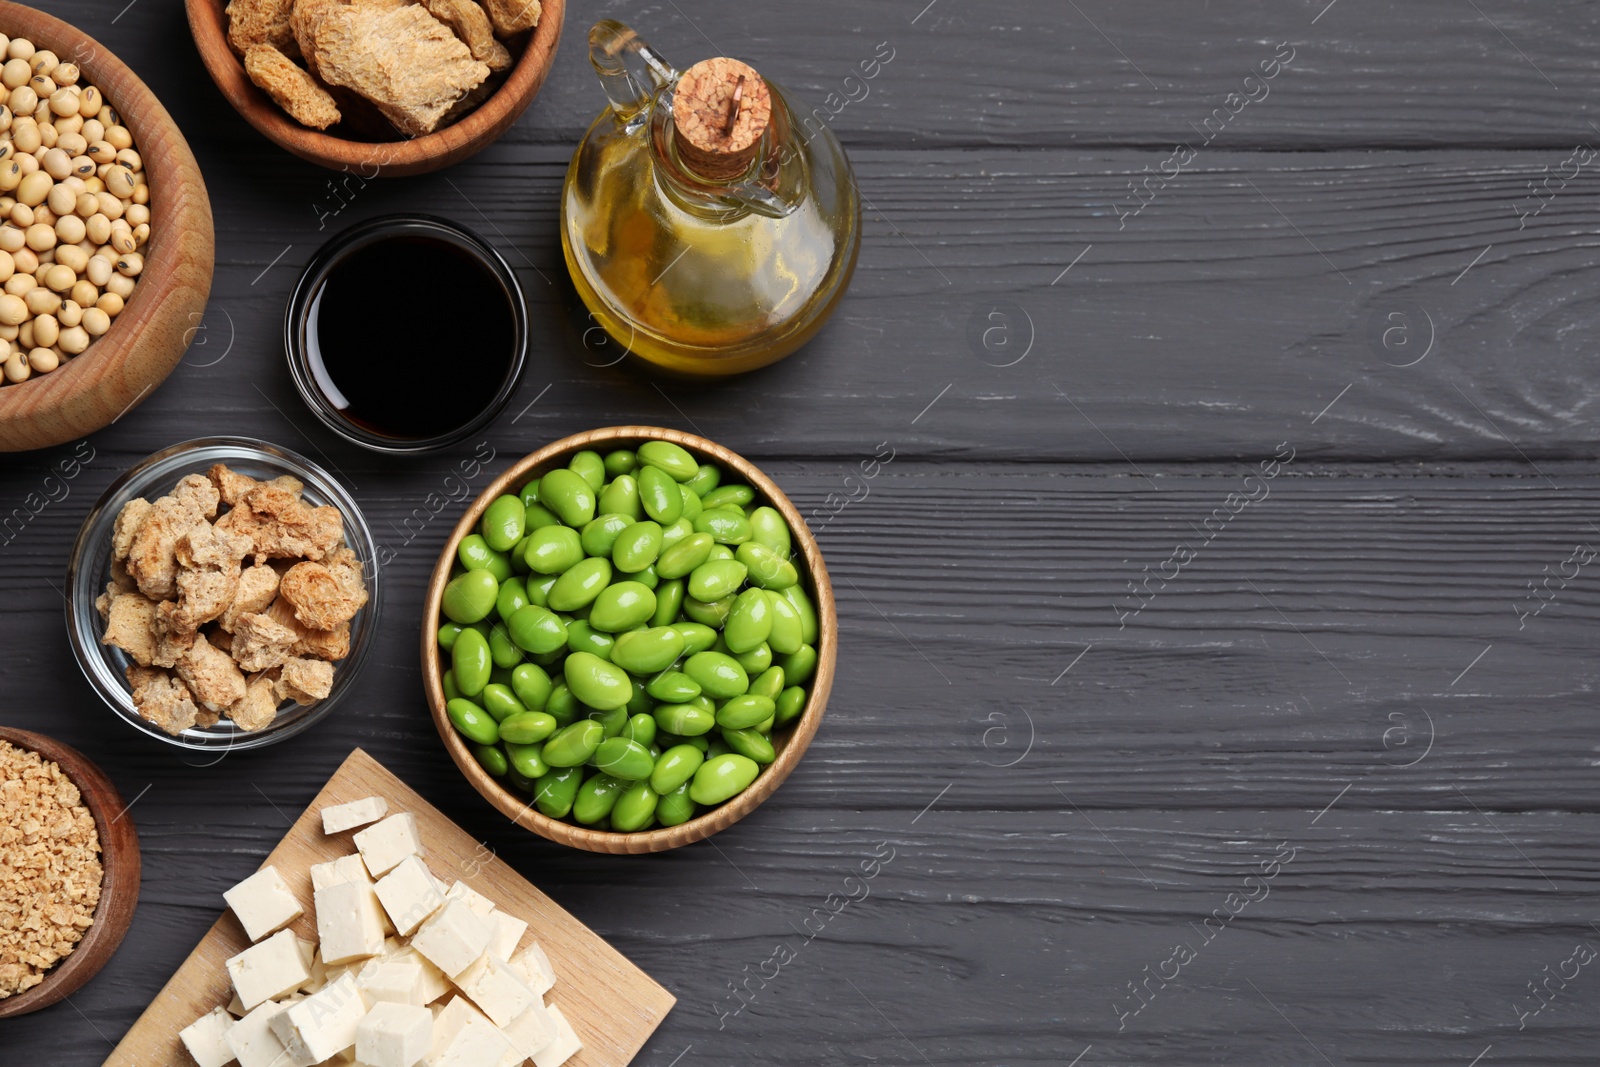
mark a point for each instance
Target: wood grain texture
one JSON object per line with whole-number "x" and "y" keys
{"x": 612, "y": 1005}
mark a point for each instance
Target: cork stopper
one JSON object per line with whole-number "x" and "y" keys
{"x": 721, "y": 108}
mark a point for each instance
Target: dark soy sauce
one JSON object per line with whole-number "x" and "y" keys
{"x": 410, "y": 337}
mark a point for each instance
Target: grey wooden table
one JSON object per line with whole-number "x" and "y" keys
{"x": 1217, "y": 675}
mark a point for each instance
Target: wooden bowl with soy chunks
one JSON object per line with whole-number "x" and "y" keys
{"x": 629, "y": 640}
{"x": 314, "y": 76}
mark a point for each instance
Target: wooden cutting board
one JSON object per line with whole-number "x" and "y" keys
{"x": 612, "y": 1005}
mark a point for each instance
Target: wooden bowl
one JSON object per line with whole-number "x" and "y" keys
{"x": 419, "y": 155}
{"x": 790, "y": 742}
{"x": 147, "y": 340}
{"x": 119, "y": 885}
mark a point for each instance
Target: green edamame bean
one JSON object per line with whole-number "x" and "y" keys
{"x": 726, "y": 526}
{"x": 768, "y": 528}
{"x": 448, "y": 632}
{"x": 647, "y": 651}
{"x": 580, "y": 584}
{"x": 685, "y": 720}
{"x": 520, "y": 782}
{"x": 490, "y": 759}
{"x": 719, "y": 552}
{"x": 797, "y": 598}
{"x": 526, "y": 760}
{"x": 499, "y": 701}
{"x": 675, "y": 532}
{"x": 613, "y": 721}
{"x": 637, "y": 546}
{"x": 678, "y": 560}
{"x": 750, "y": 744}
{"x": 691, "y": 503}
{"x": 622, "y": 758}
{"x": 674, "y": 459}
{"x": 697, "y": 637}
{"x": 798, "y": 665}
{"x": 448, "y": 684}
{"x": 669, "y": 602}
{"x": 756, "y": 660}
{"x": 641, "y": 728}
{"x": 590, "y": 467}
{"x": 536, "y": 629}
{"x": 699, "y": 744}
{"x": 738, "y": 496}
{"x": 742, "y": 712}
{"x": 572, "y": 745}
{"x": 722, "y": 777}
{"x": 597, "y": 683}
{"x": 673, "y": 687}
{"x": 659, "y": 495}
{"x": 750, "y": 621}
{"x": 717, "y": 747}
{"x": 635, "y": 808}
{"x": 767, "y": 569}
{"x": 622, "y": 606}
{"x": 473, "y": 722}
{"x": 713, "y": 614}
{"x": 504, "y": 523}
{"x": 621, "y": 462}
{"x": 568, "y": 495}
{"x": 675, "y": 808}
{"x": 538, "y": 587}
{"x": 595, "y": 798}
{"x": 471, "y": 663}
{"x": 529, "y": 493}
{"x": 562, "y": 705}
{"x": 503, "y": 651}
{"x": 769, "y": 683}
{"x": 647, "y": 577}
{"x": 641, "y": 702}
{"x": 527, "y": 728}
{"x": 621, "y": 497}
{"x": 475, "y": 554}
{"x": 707, "y": 478}
{"x": 532, "y": 685}
{"x": 553, "y": 549}
{"x": 785, "y": 635}
{"x": 791, "y": 702}
{"x": 513, "y": 595}
{"x": 600, "y": 533}
{"x": 581, "y": 637}
{"x": 539, "y": 517}
{"x": 676, "y": 766}
{"x": 719, "y": 675}
{"x": 554, "y": 792}
{"x": 469, "y": 597}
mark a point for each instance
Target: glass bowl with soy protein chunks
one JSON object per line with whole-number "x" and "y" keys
{"x": 630, "y": 640}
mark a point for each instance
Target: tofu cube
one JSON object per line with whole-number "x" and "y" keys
{"x": 344, "y": 869}
{"x": 267, "y": 970}
{"x": 383, "y": 845}
{"x": 338, "y": 818}
{"x": 391, "y": 980}
{"x": 531, "y": 1032}
{"x": 477, "y": 1044}
{"x": 533, "y": 967}
{"x": 495, "y": 988}
{"x": 348, "y": 923}
{"x": 506, "y": 936}
{"x": 481, "y": 905}
{"x": 453, "y": 938}
{"x": 409, "y": 895}
{"x": 394, "y": 1035}
{"x": 433, "y": 984}
{"x": 255, "y": 1045}
{"x": 324, "y": 1024}
{"x": 564, "y": 1047}
{"x": 318, "y": 969}
{"x": 207, "y": 1038}
{"x": 263, "y": 903}
{"x": 447, "y": 1022}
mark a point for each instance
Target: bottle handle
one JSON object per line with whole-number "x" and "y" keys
{"x": 630, "y": 70}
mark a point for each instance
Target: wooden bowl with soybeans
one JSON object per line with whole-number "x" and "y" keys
{"x": 106, "y": 242}
{"x": 312, "y": 75}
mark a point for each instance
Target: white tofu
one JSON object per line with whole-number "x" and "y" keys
{"x": 338, "y": 818}
{"x": 409, "y": 895}
{"x": 348, "y": 923}
{"x": 564, "y": 1047}
{"x": 263, "y": 903}
{"x": 506, "y": 936}
{"x": 447, "y": 1023}
{"x": 385, "y": 844}
{"x": 434, "y": 984}
{"x": 207, "y": 1038}
{"x": 495, "y": 988}
{"x": 481, "y": 905}
{"x": 477, "y": 1044}
{"x": 453, "y": 938}
{"x": 344, "y": 869}
{"x": 391, "y": 980}
{"x": 267, "y": 970}
{"x": 533, "y": 967}
{"x": 531, "y": 1032}
{"x": 323, "y": 1024}
{"x": 394, "y": 1035}
{"x": 318, "y": 969}
{"x": 255, "y": 1045}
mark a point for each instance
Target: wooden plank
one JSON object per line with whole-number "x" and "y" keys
{"x": 612, "y": 1005}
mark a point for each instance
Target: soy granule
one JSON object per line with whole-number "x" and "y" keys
{"x": 50, "y": 868}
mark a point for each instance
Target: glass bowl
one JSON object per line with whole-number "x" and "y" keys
{"x": 89, "y": 569}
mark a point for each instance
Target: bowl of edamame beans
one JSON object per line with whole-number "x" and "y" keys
{"x": 629, "y": 640}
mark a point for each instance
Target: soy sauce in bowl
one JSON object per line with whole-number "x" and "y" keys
{"x": 406, "y": 334}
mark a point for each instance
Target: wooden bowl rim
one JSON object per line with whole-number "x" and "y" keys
{"x": 119, "y": 880}
{"x": 521, "y": 811}
{"x": 153, "y": 129}
{"x": 474, "y": 131}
